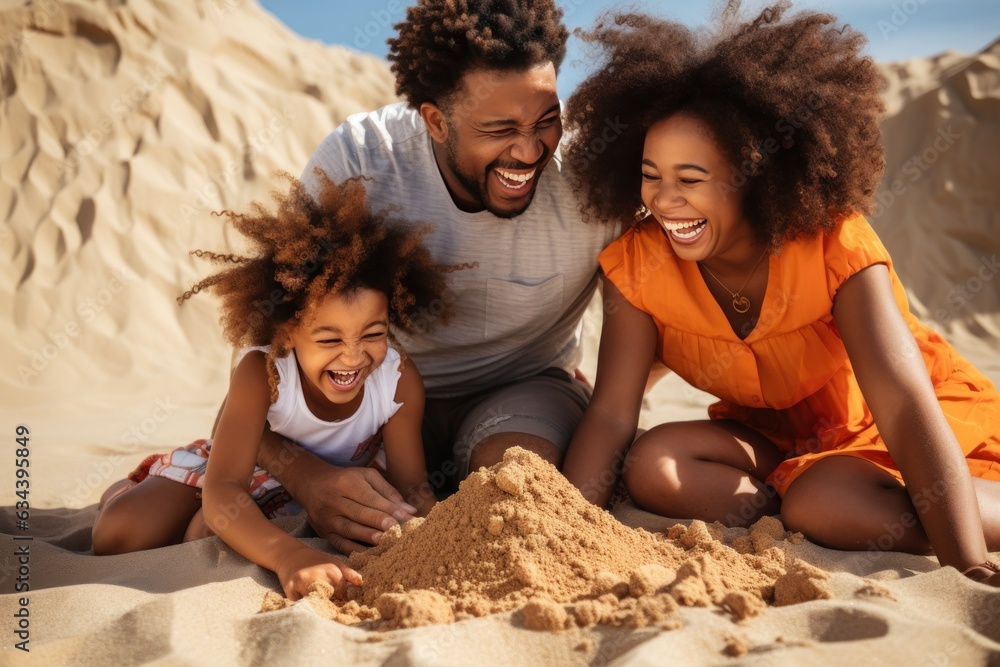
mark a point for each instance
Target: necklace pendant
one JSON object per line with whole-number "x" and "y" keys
{"x": 741, "y": 304}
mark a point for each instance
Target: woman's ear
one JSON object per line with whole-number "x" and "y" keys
{"x": 437, "y": 124}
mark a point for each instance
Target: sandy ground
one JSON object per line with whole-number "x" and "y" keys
{"x": 123, "y": 126}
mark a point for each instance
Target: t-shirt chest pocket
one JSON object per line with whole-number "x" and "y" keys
{"x": 522, "y": 311}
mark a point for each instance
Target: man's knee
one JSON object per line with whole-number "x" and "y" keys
{"x": 490, "y": 450}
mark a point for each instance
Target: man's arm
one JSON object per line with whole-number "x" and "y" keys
{"x": 350, "y": 507}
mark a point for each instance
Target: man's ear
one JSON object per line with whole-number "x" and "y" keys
{"x": 437, "y": 124}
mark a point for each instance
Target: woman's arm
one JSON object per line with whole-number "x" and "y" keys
{"x": 232, "y": 513}
{"x": 404, "y": 448}
{"x": 898, "y": 390}
{"x": 628, "y": 341}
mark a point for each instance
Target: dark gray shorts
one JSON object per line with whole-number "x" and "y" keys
{"x": 548, "y": 405}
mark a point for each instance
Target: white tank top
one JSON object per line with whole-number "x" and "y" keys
{"x": 354, "y": 441}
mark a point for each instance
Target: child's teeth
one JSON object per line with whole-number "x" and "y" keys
{"x": 344, "y": 378}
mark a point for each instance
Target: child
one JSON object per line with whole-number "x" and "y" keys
{"x": 314, "y": 305}
{"x": 752, "y": 274}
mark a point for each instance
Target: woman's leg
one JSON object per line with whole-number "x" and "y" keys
{"x": 154, "y": 513}
{"x": 988, "y": 493}
{"x": 708, "y": 470}
{"x": 846, "y": 502}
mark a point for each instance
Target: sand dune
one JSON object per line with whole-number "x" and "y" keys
{"x": 122, "y": 125}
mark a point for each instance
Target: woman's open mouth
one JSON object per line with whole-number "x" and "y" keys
{"x": 685, "y": 231}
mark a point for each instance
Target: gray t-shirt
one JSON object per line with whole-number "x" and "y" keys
{"x": 519, "y": 311}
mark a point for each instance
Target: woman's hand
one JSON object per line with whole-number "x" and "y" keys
{"x": 304, "y": 566}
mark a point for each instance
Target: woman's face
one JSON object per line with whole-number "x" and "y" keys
{"x": 689, "y": 186}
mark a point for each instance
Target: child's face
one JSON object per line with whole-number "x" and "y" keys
{"x": 337, "y": 351}
{"x": 691, "y": 189}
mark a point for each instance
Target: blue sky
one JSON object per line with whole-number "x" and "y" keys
{"x": 896, "y": 29}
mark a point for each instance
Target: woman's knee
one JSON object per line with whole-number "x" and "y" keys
{"x": 650, "y": 469}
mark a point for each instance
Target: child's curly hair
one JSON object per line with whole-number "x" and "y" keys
{"x": 309, "y": 248}
{"x": 440, "y": 41}
{"x": 791, "y": 101}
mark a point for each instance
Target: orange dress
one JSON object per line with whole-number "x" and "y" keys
{"x": 791, "y": 379}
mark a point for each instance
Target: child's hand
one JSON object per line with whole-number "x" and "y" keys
{"x": 302, "y": 567}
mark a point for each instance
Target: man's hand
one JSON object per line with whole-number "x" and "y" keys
{"x": 352, "y": 507}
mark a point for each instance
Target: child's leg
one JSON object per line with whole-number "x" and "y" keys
{"x": 198, "y": 528}
{"x": 112, "y": 491}
{"x": 154, "y": 513}
{"x": 845, "y": 502}
{"x": 708, "y": 470}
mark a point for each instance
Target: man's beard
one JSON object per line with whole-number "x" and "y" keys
{"x": 479, "y": 189}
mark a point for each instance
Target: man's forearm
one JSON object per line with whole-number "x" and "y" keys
{"x": 287, "y": 462}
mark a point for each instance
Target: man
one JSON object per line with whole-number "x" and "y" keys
{"x": 472, "y": 155}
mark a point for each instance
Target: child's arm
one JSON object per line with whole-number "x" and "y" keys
{"x": 404, "y": 449}
{"x": 897, "y": 388}
{"x": 233, "y": 514}
{"x": 628, "y": 341}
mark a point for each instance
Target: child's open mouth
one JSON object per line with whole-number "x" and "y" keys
{"x": 343, "y": 381}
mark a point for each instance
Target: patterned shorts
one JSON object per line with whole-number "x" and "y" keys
{"x": 187, "y": 465}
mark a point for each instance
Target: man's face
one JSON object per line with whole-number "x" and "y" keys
{"x": 502, "y": 129}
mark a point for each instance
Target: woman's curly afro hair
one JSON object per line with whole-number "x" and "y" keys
{"x": 791, "y": 100}
{"x": 308, "y": 248}
{"x": 441, "y": 40}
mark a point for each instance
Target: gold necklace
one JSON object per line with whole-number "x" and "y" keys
{"x": 741, "y": 304}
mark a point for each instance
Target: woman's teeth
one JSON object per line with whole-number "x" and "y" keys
{"x": 344, "y": 378}
{"x": 514, "y": 181}
{"x": 685, "y": 229}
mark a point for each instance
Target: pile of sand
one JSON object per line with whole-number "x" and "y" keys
{"x": 122, "y": 124}
{"x": 519, "y": 536}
